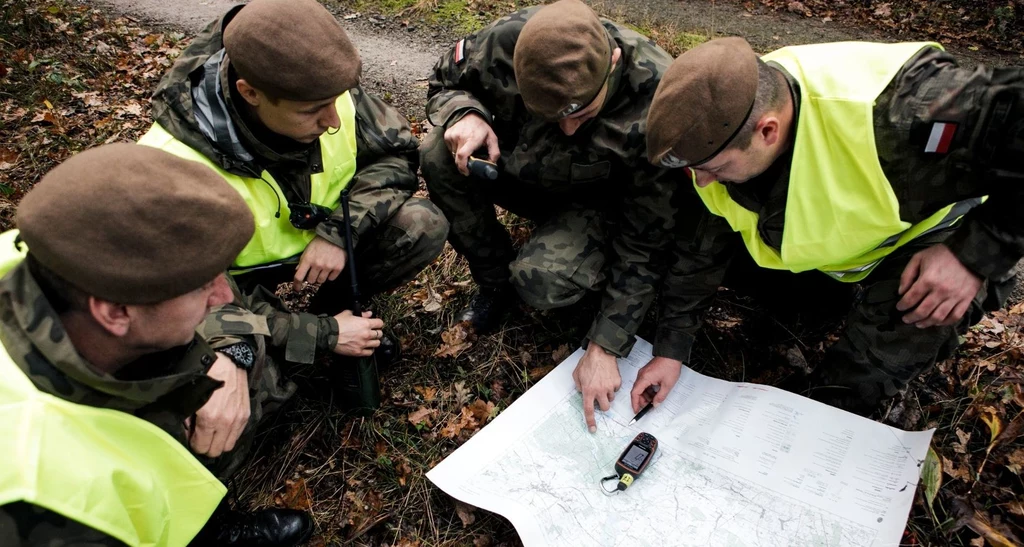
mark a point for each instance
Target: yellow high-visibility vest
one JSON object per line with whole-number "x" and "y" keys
{"x": 104, "y": 468}
{"x": 275, "y": 239}
{"x": 842, "y": 216}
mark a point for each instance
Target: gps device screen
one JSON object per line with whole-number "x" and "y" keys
{"x": 634, "y": 457}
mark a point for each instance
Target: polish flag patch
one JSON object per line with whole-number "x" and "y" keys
{"x": 460, "y": 51}
{"x": 940, "y": 138}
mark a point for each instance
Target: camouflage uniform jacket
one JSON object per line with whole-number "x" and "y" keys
{"x": 163, "y": 389}
{"x": 603, "y": 165}
{"x": 983, "y": 159}
{"x": 385, "y": 165}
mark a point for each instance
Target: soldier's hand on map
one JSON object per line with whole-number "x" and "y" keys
{"x": 660, "y": 372}
{"x": 938, "y": 287}
{"x": 358, "y": 336}
{"x": 596, "y": 377}
{"x": 466, "y": 136}
{"x": 321, "y": 261}
{"x": 221, "y": 421}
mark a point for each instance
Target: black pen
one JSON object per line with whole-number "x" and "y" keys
{"x": 640, "y": 414}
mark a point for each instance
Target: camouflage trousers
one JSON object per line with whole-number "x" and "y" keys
{"x": 387, "y": 257}
{"x": 565, "y": 255}
{"x": 878, "y": 354}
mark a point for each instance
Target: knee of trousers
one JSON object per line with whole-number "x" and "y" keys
{"x": 426, "y": 226}
{"x": 546, "y": 288}
{"x": 436, "y": 162}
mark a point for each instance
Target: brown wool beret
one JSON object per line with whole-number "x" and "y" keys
{"x": 701, "y": 103}
{"x": 292, "y": 49}
{"x": 133, "y": 224}
{"x": 561, "y": 60}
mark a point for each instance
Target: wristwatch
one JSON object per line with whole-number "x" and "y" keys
{"x": 241, "y": 353}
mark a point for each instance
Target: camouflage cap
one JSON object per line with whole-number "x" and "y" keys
{"x": 703, "y": 100}
{"x": 133, "y": 224}
{"x": 292, "y": 49}
{"x": 561, "y": 59}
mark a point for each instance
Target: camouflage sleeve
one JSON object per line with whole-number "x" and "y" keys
{"x": 261, "y": 314}
{"x": 985, "y": 106}
{"x": 385, "y": 169}
{"x": 991, "y": 239}
{"x": 703, "y": 248}
{"x": 645, "y": 228}
{"x": 474, "y": 73}
{"x": 24, "y": 524}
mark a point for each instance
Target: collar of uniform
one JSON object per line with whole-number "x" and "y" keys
{"x": 37, "y": 342}
{"x": 766, "y": 194}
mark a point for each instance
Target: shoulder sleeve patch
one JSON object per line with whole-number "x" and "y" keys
{"x": 460, "y": 51}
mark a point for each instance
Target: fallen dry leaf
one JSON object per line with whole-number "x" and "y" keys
{"x": 466, "y": 512}
{"x": 428, "y": 393}
{"x": 403, "y": 472}
{"x": 536, "y": 373}
{"x": 462, "y": 394}
{"x": 931, "y": 476}
{"x": 482, "y": 411}
{"x": 422, "y": 416}
{"x": 800, "y": 8}
{"x": 498, "y": 389}
{"x": 560, "y": 353}
{"x": 295, "y": 495}
{"x": 990, "y": 416}
{"x": 955, "y": 471}
{"x": 457, "y": 424}
{"x": 454, "y": 341}
{"x": 883, "y": 11}
{"x": 961, "y": 447}
{"x": 1013, "y": 430}
{"x": 1015, "y": 461}
{"x": 981, "y": 524}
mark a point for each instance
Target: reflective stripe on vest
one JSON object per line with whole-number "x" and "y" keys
{"x": 842, "y": 216}
{"x": 12, "y": 251}
{"x": 106, "y": 469}
{"x": 275, "y": 239}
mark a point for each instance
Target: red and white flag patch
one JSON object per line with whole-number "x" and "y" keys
{"x": 460, "y": 51}
{"x": 940, "y": 138}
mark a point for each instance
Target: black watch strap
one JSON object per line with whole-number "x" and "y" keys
{"x": 241, "y": 353}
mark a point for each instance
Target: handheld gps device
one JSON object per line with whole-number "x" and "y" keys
{"x": 482, "y": 168}
{"x": 634, "y": 460}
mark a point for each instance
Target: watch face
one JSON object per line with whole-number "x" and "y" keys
{"x": 241, "y": 354}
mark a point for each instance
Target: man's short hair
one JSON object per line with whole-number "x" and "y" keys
{"x": 771, "y": 95}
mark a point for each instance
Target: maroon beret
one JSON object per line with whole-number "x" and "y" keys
{"x": 133, "y": 224}
{"x": 292, "y": 49}
{"x": 701, "y": 103}
{"x": 561, "y": 59}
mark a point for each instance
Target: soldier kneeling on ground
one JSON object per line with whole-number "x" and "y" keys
{"x": 268, "y": 96}
{"x": 106, "y": 383}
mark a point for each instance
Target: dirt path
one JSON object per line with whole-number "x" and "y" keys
{"x": 397, "y": 59}
{"x": 767, "y": 30}
{"x": 396, "y": 62}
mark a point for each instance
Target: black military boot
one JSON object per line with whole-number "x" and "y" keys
{"x": 487, "y": 308}
{"x": 266, "y": 528}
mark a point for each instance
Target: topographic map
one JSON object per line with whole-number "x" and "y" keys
{"x": 737, "y": 465}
